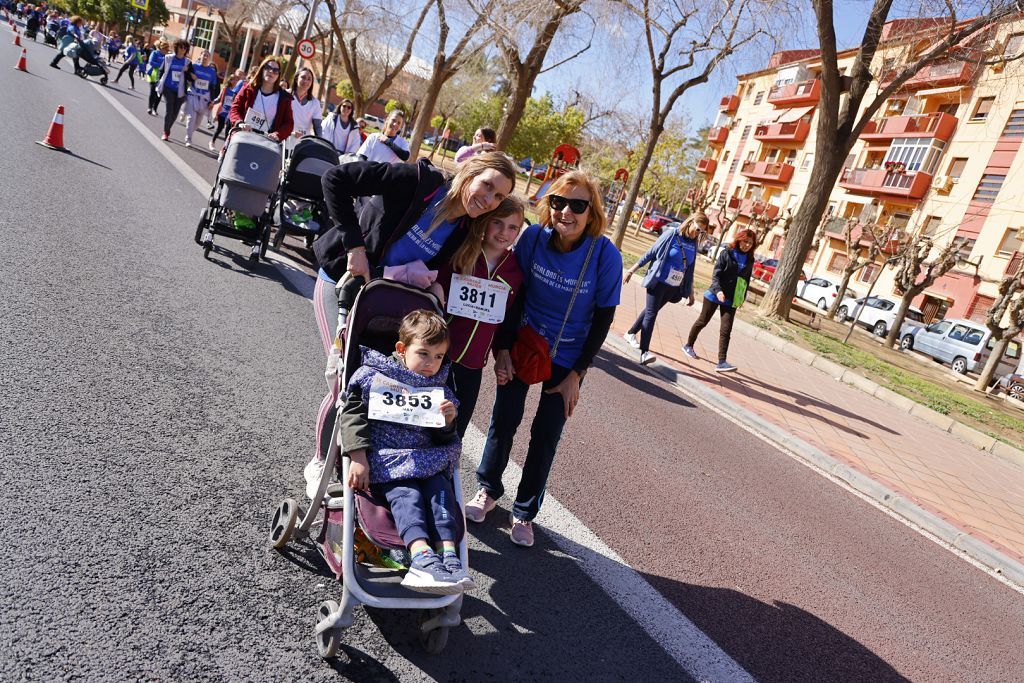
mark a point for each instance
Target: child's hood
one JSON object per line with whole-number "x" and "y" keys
{"x": 391, "y": 366}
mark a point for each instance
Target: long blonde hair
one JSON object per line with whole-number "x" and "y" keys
{"x": 597, "y": 221}
{"x": 451, "y": 206}
{"x": 468, "y": 253}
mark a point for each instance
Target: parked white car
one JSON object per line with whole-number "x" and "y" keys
{"x": 877, "y": 313}
{"x": 964, "y": 344}
{"x": 822, "y": 291}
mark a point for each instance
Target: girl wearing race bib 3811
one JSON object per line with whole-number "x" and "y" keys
{"x": 480, "y": 282}
{"x": 202, "y": 85}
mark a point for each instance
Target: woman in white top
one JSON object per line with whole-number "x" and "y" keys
{"x": 341, "y": 129}
{"x": 387, "y": 146}
{"x": 306, "y": 109}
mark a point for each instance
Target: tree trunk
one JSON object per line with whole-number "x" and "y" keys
{"x": 998, "y": 351}
{"x": 847, "y": 275}
{"x": 325, "y": 74}
{"x": 514, "y": 112}
{"x": 437, "y": 138}
{"x": 426, "y": 112}
{"x": 634, "y": 183}
{"x": 778, "y": 299}
{"x": 901, "y": 314}
{"x": 231, "y": 66}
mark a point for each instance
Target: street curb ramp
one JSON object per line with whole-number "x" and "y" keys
{"x": 900, "y": 506}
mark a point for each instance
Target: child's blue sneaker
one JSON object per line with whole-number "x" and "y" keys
{"x": 725, "y": 367}
{"x": 688, "y": 350}
{"x": 454, "y": 566}
{"x": 427, "y": 574}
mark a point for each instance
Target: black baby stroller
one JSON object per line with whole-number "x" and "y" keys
{"x": 50, "y": 34}
{"x": 246, "y": 178}
{"x": 373, "y": 322}
{"x": 93, "y": 64}
{"x": 298, "y": 205}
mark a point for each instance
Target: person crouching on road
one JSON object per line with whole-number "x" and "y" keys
{"x": 411, "y": 466}
{"x": 727, "y": 292}
{"x": 669, "y": 278}
{"x": 173, "y": 81}
{"x": 202, "y": 86}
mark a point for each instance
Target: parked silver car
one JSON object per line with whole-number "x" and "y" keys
{"x": 964, "y": 344}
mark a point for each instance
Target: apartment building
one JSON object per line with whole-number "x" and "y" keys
{"x": 940, "y": 158}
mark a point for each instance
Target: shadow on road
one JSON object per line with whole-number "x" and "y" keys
{"x": 635, "y": 376}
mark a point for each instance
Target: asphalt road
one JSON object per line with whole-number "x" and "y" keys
{"x": 155, "y": 406}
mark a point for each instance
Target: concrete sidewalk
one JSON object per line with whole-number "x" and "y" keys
{"x": 975, "y": 492}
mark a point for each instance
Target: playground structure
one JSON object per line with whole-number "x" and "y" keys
{"x": 564, "y": 158}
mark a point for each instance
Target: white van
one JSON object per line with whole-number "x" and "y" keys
{"x": 964, "y": 344}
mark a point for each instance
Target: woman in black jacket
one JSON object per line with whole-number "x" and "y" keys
{"x": 414, "y": 213}
{"x": 727, "y": 292}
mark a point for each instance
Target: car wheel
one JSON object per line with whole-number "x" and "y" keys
{"x": 879, "y": 328}
{"x": 843, "y": 311}
{"x": 1016, "y": 391}
{"x": 907, "y": 343}
{"x": 822, "y": 304}
{"x": 959, "y": 365}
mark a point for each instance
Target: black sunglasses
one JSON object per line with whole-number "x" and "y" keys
{"x": 577, "y": 206}
{"x": 272, "y": 69}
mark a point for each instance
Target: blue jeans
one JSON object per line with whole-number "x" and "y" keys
{"x": 423, "y": 508}
{"x": 657, "y": 297}
{"x": 545, "y": 433}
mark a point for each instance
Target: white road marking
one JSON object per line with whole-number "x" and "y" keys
{"x": 690, "y": 647}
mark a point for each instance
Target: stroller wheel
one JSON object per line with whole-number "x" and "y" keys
{"x": 309, "y": 241}
{"x": 283, "y": 522}
{"x": 434, "y": 641}
{"x": 327, "y": 642}
{"x": 206, "y": 249}
{"x": 204, "y": 223}
{"x": 278, "y": 238}
{"x": 103, "y": 81}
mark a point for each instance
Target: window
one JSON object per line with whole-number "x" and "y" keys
{"x": 837, "y": 263}
{"x": 958, "y": 332}
{"x": 733, "y": 165}
{"x": 1014, "y": 125}
{"x": 978, "y": 309}
{"x": 916, "y": 154}
{"x": 973, "y": 336}
{"x": 807, "y": 162}
{"x": 725, "y": 157}
{"x": 966, "y": 249}
{"x": 791, "y": 157}
{"x": 772, "y": 155}
{"x": 1009, "y": 244}
{"x": 750, "y": 155}
{"x": 850, "y": 158}
{"x": 758, "y": 97}
{"x": 949, "y": 108}
{"x": 982, "y": 108}
{"x": 988, "y": 188}
{"x": 776, "y": 240}
{"x": 202, "y": 32}
{"x": 956, "y": 167}
{"x": 931, "y": 226}
{"x": 746, "y": 132}
{"x": 939, "y": 327}
{"x": 1013, "y": 45}
{"x": 867, "y": 273}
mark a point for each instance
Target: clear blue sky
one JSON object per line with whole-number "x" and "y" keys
{"x": 589, "y": 72}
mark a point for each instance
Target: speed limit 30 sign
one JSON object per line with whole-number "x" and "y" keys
{"x": 306, "y": 48}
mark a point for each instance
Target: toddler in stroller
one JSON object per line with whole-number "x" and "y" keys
{"x": 400, "y": 482}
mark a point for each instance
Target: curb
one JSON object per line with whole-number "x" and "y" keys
{"x": 978, "y": 551}
{"x": 969, "y": 435}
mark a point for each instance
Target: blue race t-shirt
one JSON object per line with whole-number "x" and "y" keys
{"x": 177, "y": 65}
{"x": 130, "y": 52}
{"x": 741, "y": 261}
{"x": 203, "y": 73}
{"x": 673, "y": 260}
{"x": 550, "y": 279}
{"x": 417, "y": 245}
{"x": 690, "y": 250}
{"x": 229, "y": 97}
{"x": 741, "y": 258}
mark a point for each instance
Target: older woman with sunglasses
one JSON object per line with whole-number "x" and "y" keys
{"x": 568, "y": 302}
{"x": 342, "y": 129}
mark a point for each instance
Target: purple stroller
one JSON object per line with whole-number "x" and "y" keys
{"x": 373, "y": 322}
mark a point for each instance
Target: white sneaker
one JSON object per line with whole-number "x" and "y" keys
{"x": 313, "y": 471}
{"x": 212, "y": 147}
{"x": 631, "y": 340}
{"x": 188, "y": 143}
{"x": 647, "y": 358}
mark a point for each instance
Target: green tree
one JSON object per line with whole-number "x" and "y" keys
{"x": 541, "y": 128}
{"x": 344, "y": 89}
{"x": 395, "y": 104}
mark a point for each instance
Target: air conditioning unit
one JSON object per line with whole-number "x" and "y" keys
{"x": 943, "y": 184}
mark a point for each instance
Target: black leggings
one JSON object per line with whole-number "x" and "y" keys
{"x": 174, "y": 103}
{"x": 130, "y": 67}
{"x": 657, "y": 296}
{"x": 465, "y": 382}
{"x": 154, "y": 97}
{"x": 222, "y": 125}
{"x": 727, "y": 313}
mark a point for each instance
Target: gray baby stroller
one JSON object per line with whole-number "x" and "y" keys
{"x": 246, "y": 178}
{"x": 373, "y": 322}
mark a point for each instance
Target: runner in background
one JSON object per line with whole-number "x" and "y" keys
{"x": 173, "y": 81}
{"x": 203, "y": 86}
{"x": 130, "y": 62}
{"x": 154, "y": 67}
{"x": 306, "y": 109}
{"x": 483, "y": 141}
{"x": 342, "y": 129}
{"x": 227, "y": 96}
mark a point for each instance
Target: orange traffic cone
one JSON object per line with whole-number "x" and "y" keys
{"x": 17, "y": 39}
{"x": 55, "y": 135}
{"x": 22, "y": 62}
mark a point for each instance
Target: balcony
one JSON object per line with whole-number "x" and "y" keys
{"x": 794, "y": 94}
{"x": 754, "y": 208}
{"x": 796, "y": 131}
{"x": 938, "y": 125}
{"x": 937, "y": 75}
{"x": 729, "y": 103}
{"x": 707, "y": 165}
{"x": 718, "y": 136}
{"x": 879, "y": 181}
{"x": 768, "y": 171}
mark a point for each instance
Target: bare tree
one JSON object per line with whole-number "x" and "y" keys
{"x": 843, "y": 112}
{"x": 362, "y": 37}
{"x": 685, "y": 39}
{"x": 447, "y": 62}
{"x": 915, "y": 273}
{"x": 233, "y": 21}
{"x": 540, "y": 20}
{"x": 864, "y": 242}
{"x": 1008, "y": 306}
